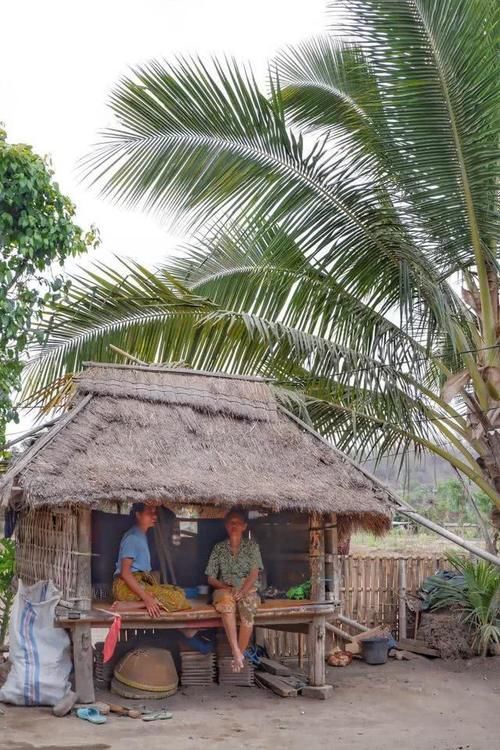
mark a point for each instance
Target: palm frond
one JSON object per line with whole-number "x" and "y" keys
{"x": 439, "y": 79}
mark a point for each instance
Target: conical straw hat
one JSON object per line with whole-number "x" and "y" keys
{"x": 150, "y": 669}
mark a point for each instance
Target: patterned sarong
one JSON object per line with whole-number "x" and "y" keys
{"x": 225, "y": 603}
{"x": 171, "y": 597}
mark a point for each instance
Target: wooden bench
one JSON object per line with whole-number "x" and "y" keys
{"x": 296, "y": 616}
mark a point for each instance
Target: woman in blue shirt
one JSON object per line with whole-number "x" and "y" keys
{"x": 133, "y": 581}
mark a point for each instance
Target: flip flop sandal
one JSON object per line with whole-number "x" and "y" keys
{"x": 157, "y": 715}
{"x": 252, "y": 655}
{"x": 93, "y": 715}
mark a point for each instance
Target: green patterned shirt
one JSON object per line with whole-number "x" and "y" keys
{"x": 233, "y": 569}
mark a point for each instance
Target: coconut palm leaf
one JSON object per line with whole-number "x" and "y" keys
{"x": 330, "y": 216}
{"x": 476, "y": 595}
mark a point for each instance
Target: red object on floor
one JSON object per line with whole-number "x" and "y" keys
{"x": 112, "y": 639}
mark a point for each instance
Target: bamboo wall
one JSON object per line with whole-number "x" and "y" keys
{"x": 46, "y": 547}
{"x": 369, "y": 593}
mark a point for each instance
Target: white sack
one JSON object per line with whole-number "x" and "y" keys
{"x": 39, "y": 653}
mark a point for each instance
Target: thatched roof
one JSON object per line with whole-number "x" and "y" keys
{"x": 181, "y": 436}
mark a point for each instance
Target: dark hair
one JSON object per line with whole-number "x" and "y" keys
{"x": 137, "y": 508}
{"x": 236, "y": 512}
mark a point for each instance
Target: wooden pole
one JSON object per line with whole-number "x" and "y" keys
{"x": 127, "y": 355}
{"x": 83, "y": 578}
{"x": 316, "y": 650}
{"x": 317, "y": 557}
{"x": 82, "y": 634}
{"x": 317, "y": 630}
{"x": 397, "y": 503}
{"x": 402, "y": 597}
{"x": 477, "y": 551}
{"x": 347, "y": 621}
{"x": 301, "y": 650}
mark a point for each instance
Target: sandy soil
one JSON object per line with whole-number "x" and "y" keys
{"x": 418, "y": 705}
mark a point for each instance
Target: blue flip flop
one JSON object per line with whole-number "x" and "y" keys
{"x": 91, "y": 714}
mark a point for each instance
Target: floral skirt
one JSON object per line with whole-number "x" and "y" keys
{"x": 172, "y": 598}
{"x": 225, "y": 603}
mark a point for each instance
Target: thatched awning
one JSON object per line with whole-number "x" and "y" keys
{"x": 179, "y": 436}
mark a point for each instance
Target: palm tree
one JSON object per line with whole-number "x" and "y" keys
{"x": 345, "y": 231}
{"x": 476, "y": 596}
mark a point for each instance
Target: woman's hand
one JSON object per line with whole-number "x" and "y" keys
{"x": 152, "y": 605}
{"x": 238, "y": 594}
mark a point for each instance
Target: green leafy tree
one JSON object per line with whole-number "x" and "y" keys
{"x": 36, "y": 230}
{"x": 332, "y": 216}
{"x": 7, "y": 562}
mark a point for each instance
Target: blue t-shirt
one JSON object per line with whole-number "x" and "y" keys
{"x": 134, "y": 544}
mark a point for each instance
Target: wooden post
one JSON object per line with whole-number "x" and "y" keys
{"x": 317, "y": 630}
{"x": 82, "y": 634}
{"x": 317, "y": 652}
{"x": 301, "y": 650}
{"x": 317, "y": 557}
{"x": 83, "y": 576}
{"x": 332, "y": 559}
{"x": 402, "y": 598}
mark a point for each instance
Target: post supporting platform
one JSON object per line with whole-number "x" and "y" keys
{"x": 317, "y": 687}
{"x": 82, "y": 634}
{"x": 83, "y": 663}
{"x": 317, "y": 630}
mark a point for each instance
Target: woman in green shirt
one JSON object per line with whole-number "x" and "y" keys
{"x": 232, "y": 570}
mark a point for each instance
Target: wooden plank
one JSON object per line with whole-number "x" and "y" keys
{"x": 416, "y": 647}
{"x": 274, "y": 667}
{"x": 278, "y": 686}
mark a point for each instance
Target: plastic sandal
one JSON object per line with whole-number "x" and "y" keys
{"x": 157, "y": 715}
{"x": 91, "y": 714}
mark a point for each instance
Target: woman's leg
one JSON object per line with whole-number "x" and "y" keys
{"x": 244, "y": 636}
{"x": 226, "y": 606}
{"x": 247, "y": 607}
{"x": 229, "y": 622}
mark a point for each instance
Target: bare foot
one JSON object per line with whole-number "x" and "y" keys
{"x": 238, "y": 661}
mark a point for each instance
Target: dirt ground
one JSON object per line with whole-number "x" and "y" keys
{"x": 417, "y": 705}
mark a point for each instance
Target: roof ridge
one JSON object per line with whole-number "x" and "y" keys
{"x": 181, "y": 370}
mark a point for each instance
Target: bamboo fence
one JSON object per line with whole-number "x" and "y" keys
{"x": 369, "y": 594}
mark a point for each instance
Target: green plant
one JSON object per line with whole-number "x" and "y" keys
{"x": 333, "y": 213}
{"x": 7, "y": 561}
{"x": 477, "y": 596}
{"x": 37, "y": 230}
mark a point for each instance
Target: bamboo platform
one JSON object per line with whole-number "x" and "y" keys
{"x": 203, "y": 615}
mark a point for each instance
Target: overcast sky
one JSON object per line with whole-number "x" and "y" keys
{"x": 59, "y": 61}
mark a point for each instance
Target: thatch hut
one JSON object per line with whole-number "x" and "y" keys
{"x": 184, "y": 439}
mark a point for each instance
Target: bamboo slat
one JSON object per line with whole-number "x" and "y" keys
{"x": 368, "y": 592}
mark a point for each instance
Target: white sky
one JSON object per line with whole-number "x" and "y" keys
{"x": 59, "y": 60}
